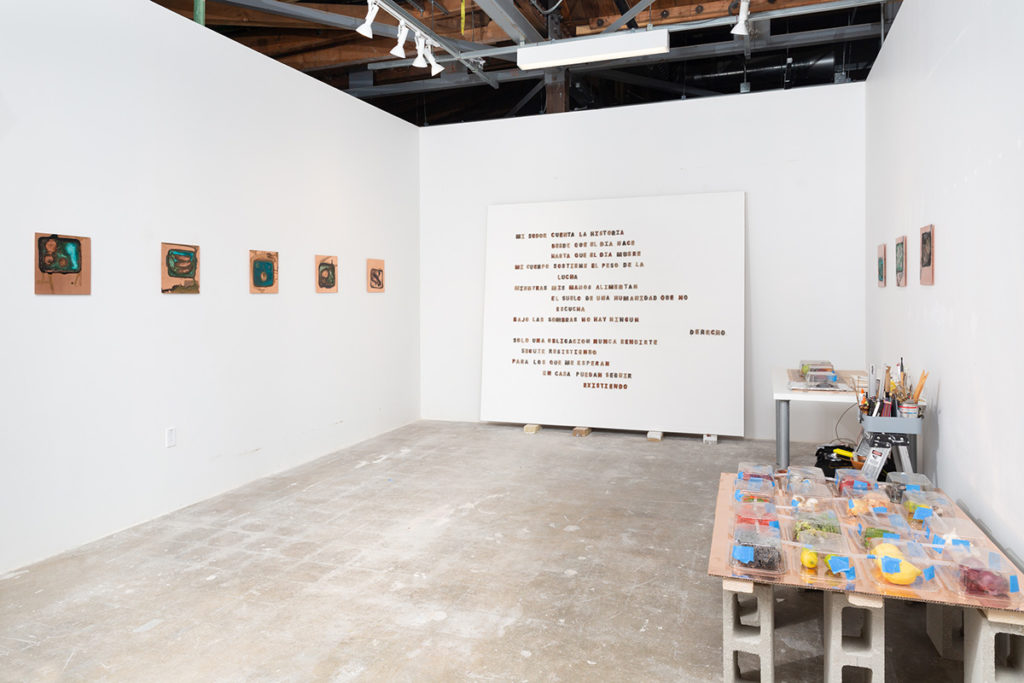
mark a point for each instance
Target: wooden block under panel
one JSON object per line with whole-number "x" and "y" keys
{"x": 581, "y": 431}
{"x": 654, "y": 436}
{"x": 531, "y": 429}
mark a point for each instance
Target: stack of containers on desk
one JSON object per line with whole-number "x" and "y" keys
{"x": 861, "y": 503}
{"x": 921, "y": 506}
{"x": 753, "y": 491}
{"x": 900, "y": 567}
{"x": 849, "y": 479}
{"x": 982, "y": 574}
{"x": 823, "y": 560}
{"x": 906, "y": 481}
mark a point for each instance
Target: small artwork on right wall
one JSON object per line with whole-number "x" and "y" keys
{"x": 928, "y": 255}
{"x": 374, "y": 275}
{"x": 901, "y": 261}
{"x": 881, "y": 265}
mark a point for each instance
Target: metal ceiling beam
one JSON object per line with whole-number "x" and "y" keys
{"x": 526, "y": 98}
{"x": 316, "y": 16}
{"x": 509, "y": 51}
{"x": 628, "y": 16}
{"x": 447, "y": 83}
{"x": 506, "y": 15}
{"x": 678, "y": 54}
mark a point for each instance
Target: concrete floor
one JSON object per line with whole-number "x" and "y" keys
{"x": 436, "y": 552}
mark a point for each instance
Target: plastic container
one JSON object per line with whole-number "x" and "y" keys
{"x": 757, "y": 551}
{"x": 748, "y": 471}
{"x": 822, "y": 559}
{"x": 921, "y": 506}
{"x": 864, "y": 532}
{"x": 810, "y": 496}
{"x": 863, "y": 503}
{"x": 982, "y": 573}
{"x": 795, "y": 476}
{"x": 898, "y": 565}
{"x": 903, "y": 481}
{"x": 753, "y": 491}
{"x": 824, "y": 521}
{"x": 851, "y": 479}
{"x": 947, "y": 532}
{"x": 815, "y": 365}
{"x": 757, "y": 514}
{"x": 821, "y": 377}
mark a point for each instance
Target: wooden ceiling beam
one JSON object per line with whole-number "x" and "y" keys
{"x": 665, "y": 13}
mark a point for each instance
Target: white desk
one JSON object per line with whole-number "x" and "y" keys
{"x": 783, "y": 395}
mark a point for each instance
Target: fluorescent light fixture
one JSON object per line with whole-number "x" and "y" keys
{"x": 421, "y": 47}
{"x": 366, "y": 28}
{"x": 403, "y": 32}
{"x": 582, "y": 50}
{"x": 742, "y": 28}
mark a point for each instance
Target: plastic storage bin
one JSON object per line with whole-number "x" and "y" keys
{"x": 757, "y": 551}
{"x": 748, "y": 471}
{"x": 983, "y": 573}
{"x": 795, "y": 476}
{"x": 822, "y": 559}
{"x": 848, "y": 479}
{"x": 865, "y": 532}
{"x": 921, "y": 506}
{"x": 946, "y": 532}
{"x": 824, "y": 521}
{"x": 753, "y": 491}
{"x": 862, "y": 503}
{"x": 809, "y": 496}
{"x": 756, "y": 514}
{"x": 895, "y": 566}
{"x": 902, "y": 481}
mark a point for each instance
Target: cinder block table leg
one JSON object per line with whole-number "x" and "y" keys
{"x": 756, "y": 639}
{"x": 993, "y": 646}
{"x": 866, "y": 651}
{"x": 945, "y": 625}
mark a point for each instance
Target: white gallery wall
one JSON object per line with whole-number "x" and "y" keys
{"x": 945, "y": 145}
{"x": 126, "y": 123}
{"x": 798, "y": 155}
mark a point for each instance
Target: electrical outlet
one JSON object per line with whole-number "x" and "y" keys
{"x": 170, "y": 437}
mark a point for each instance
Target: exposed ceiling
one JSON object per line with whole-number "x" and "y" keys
{"x": 792, "y": 43}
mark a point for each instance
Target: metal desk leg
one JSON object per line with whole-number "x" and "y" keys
{"x": 782, "y": 434}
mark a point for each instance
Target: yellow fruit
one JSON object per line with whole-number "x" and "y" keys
{"x": 808, "y": 558}
{"x": 907, "y": 574}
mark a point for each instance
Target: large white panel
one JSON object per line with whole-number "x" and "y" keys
{"x": 619, "y": 313}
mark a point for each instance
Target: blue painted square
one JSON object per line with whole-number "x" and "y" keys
{"x": 928, "y": 574}
{"x": 922, "y": 512}
{"x": 262, "y": 273}
{"x": 879, "y": 510}
{"x": 889, "y": 536}
{"x": 962, "y": 542}
{"x": 774, "y": 524}
{"x": 1014, "y": 585}
{"x": 860, "y": 484}
{"x": 913, "y": 487}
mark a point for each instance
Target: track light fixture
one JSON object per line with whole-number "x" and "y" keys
{"x": 741, "y": 28}
{"x": 366, "y": 28}
{"x": 435, "y": 68}
{"x": 403, "y": 33}
{"x": 421, "y": 47}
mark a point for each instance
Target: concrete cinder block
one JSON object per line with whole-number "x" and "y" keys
{"x": 993, "y": 650}
{"x": 866, "y": 651}
{"x": 945, "y": 627}
{"x": 756, "y": 639}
